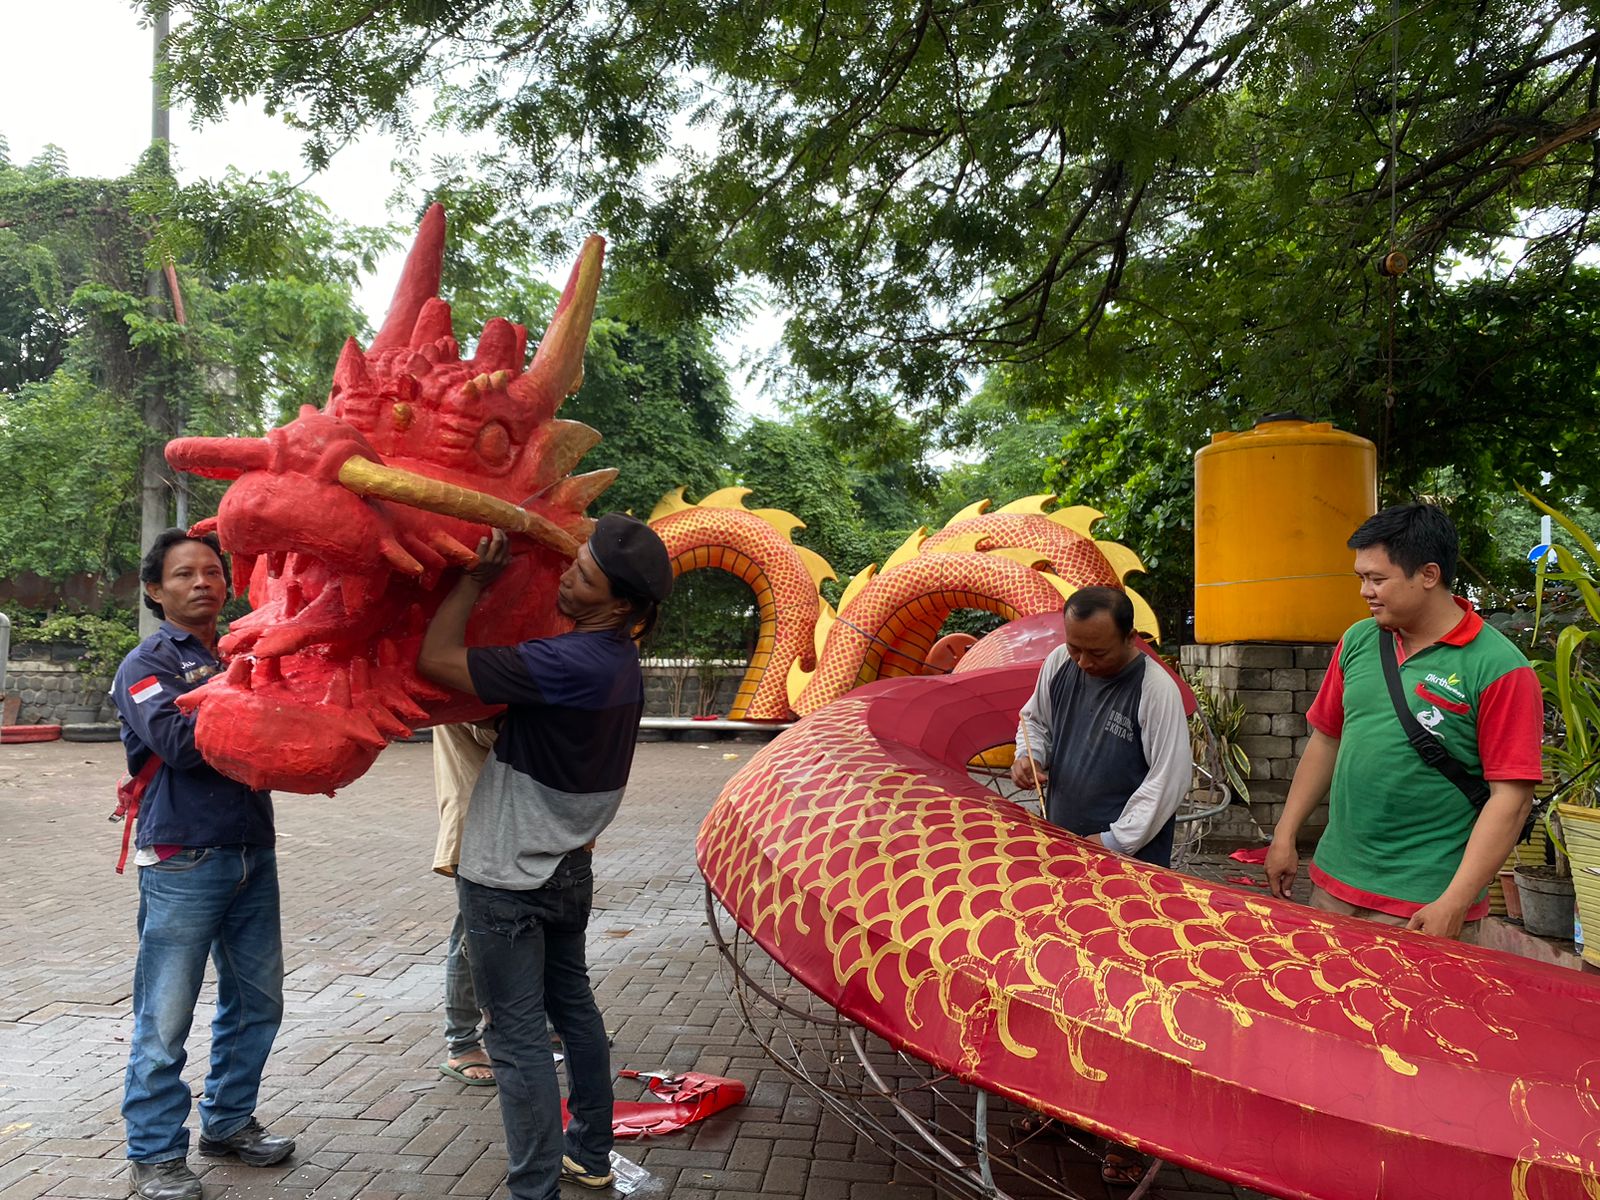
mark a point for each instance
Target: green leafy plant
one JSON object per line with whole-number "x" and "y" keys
{"x": 1214, "y": 729}
{"x": 1566, "y": 646}
{"x": 105, "y": 637}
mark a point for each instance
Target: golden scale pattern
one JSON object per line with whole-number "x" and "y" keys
{"x": 955, "y": 912}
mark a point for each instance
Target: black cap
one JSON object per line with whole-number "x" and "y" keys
{"x": 632, "y": 556}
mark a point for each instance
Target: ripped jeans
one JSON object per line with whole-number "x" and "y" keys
{"x": 527, "y": 957}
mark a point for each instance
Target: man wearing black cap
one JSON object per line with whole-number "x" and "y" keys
{"x": 552, "y": 785}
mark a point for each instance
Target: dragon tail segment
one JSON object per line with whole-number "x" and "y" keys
{"x": 1309, "y": 1054}
{"x": 755, "y": 547}
{"x": 1061, "y": 538}
{"x": 887, "y": 626}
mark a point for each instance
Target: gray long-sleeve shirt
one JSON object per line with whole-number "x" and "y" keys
{"x": 1147, "y": 721}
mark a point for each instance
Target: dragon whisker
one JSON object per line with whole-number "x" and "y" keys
{"x": 367, "y": 478}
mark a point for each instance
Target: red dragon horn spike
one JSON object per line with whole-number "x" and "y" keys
{"x": 351, "y": 372}
{"x": 433, "y": 323}
{"x": 557, "y": 369}
{"x": 498, "y": 347}
{"x": 219, "y": 458}
{"x": 419, "y": 283}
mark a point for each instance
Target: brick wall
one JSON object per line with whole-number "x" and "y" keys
{"x": 48, "y": 682}
{"x": 685, "y": 690}
{"x": 1276, "y": 683}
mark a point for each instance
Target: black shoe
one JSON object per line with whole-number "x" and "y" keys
{"x": 170, "y": 1180}
{"x": 252, "y": 1145}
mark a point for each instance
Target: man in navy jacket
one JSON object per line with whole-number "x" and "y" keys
{"x": 208, "y": 887}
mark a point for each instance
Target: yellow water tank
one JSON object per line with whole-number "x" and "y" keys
{"x": 1274, "y": 506}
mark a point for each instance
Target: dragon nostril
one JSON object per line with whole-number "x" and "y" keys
{"x": 494, "y": 444}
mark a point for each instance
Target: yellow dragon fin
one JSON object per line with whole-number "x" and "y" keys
{"x": 728, "y": 497}
{"x": 1029, "y": 505}
{"x": 784, "y": 522}
{"x": 1144, "y": 617}
{"x": 908, "y": 548}
{"x": 672, "y": 502}
{"x": 851, "y": 591}
{"x": 976, "y": 509}
{"x": 795, "y": 682}
{"x": 1123, "y": 561}
{"x": 816, "y": 566}
{"x": 1078, "y": 518}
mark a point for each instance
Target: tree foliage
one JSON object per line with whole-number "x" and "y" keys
{"x": 1172, "y": 210}
{"x": 938, "y": 183}
{"x": 84, "y": 345}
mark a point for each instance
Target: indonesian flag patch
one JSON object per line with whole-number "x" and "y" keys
{"x": 147, "y": 688}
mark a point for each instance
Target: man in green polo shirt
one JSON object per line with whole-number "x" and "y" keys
{"x": 1404, "y": 845}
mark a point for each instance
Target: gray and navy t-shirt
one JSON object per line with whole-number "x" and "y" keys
{"x": 1117, "y": 752}
{"x": 556, "y": 776}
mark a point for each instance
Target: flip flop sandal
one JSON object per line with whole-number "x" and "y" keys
{"x": 459, "y": 1074}
{"x": 1121, "y": 1170}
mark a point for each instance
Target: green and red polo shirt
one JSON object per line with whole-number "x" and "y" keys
{"x": 1397, "y": 828}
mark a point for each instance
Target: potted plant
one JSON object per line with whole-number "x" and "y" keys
{"x": 1570, "y": 678}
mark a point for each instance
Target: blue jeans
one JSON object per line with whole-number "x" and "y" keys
{"x": 461, "y": 1013}
{"x": 527, "y": 957}
{"x": 221, "y": 902}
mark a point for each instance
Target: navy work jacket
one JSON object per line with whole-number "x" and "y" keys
{"x": 188, "y": 803}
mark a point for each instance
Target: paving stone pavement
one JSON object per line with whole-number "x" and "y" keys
{"x": 353, "y": 1076}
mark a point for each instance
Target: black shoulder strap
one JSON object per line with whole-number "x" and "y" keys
{"x": 1430, "y": 748}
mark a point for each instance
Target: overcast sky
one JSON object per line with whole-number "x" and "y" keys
{"x": 76, "y": 73}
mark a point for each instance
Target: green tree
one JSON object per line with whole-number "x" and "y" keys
{"x": 1178, "y": 206}
{"x": 69, "y": 452}
{"x": 662, "y": 405}
{"x": 1005, "y": 450}
{"x": 83, "y": 349}
{"x": 790, "y": 466}
{"x": 1143, "y": 481}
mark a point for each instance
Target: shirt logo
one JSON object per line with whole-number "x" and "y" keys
{"x": 147, "y": 688}
{"x": 1430, "y": 719}
{"x": 1448, "y": 685}
{"x": 1118, "y": 725}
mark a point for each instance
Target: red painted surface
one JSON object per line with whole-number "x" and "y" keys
{"x": 1258, "y": 1040}
{"x": 341, "y": 586}
{"x": 17, "y": 734}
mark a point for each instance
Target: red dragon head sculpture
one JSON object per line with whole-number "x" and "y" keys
{"x": 344, "y": 523}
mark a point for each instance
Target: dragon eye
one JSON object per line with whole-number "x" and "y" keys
{"x": 494, "y": 444}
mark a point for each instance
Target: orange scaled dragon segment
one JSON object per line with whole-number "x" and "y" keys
{"x": 1015, "y": 562}
{"x": 754, "y": 546}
